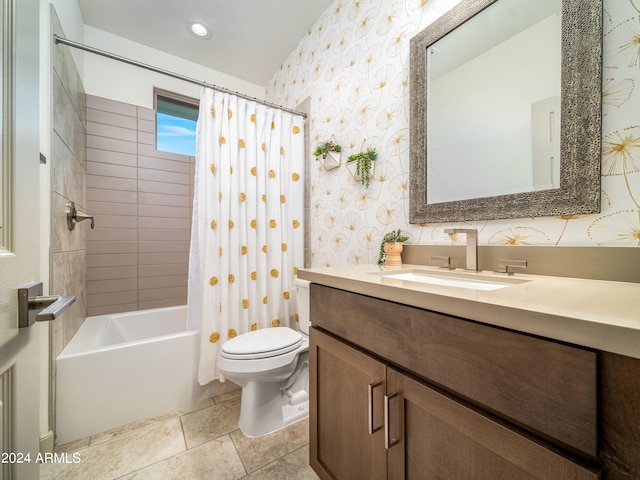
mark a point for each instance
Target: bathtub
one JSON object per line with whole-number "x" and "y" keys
{"x": 119, "y": 368}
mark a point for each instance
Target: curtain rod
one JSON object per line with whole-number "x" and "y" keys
{"x": 135, "y": 63}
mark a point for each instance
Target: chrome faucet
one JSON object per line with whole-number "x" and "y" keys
{"x": 472, "y": 245}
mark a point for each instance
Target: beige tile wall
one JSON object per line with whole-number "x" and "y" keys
{"x": 137, "y": 256}
{"x": 68, "y": 175}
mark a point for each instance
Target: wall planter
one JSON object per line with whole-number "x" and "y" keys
{"x": 329, "y": 154}
{"x": 362, "y": 166}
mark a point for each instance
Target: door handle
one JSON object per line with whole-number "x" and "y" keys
{"x": 34, "y": 307}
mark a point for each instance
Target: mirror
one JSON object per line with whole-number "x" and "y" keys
{"x": 506, "y": 110}
{"x": 512, "y": 134}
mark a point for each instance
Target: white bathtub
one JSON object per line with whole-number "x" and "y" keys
{"x": 124, "y": 367}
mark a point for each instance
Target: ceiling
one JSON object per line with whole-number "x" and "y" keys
{"x": 250, "y": 38}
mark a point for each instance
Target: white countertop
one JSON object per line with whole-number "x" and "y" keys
{"x": 598, "y": 314}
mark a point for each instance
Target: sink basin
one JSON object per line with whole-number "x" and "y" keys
{"x": 472, "y": 281}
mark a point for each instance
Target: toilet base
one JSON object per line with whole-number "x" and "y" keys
{"x": 269, "y": 406}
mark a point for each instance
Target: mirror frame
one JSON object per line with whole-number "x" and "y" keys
{"x": 580, "y": 130}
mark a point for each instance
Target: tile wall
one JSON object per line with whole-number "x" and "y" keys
{"x": 68, "y": 173}
{"x": 138, "y": 254}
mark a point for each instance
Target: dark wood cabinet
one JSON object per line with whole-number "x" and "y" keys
{"x": 403, "y": 393}
{"x": 547, "y": 387}
{"x": 619, "y": 395}
{"x": 346, "y": 416}
{"x": 440, "y": 438}
{"x": 372, "y": 421}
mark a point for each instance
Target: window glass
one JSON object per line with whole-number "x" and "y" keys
{"x": 176, "y": 125}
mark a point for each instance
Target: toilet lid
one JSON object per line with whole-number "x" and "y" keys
{"x": 267, "y": 342}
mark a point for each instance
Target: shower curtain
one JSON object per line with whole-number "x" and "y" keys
{"x": 247, "y": 236}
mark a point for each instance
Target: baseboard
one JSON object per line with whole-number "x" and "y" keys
{"x": 47, "y": 443}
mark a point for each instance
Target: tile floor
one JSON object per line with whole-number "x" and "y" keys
{"x": 201, "y": 441}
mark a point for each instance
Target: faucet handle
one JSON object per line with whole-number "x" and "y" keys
{"x": 503, "y": 265}
{"x": 446, "y": 261}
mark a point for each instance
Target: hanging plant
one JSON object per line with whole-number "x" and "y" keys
{"x": 329, "y": 160}
{"x": 324, "y": 148}
{"x": 364, "y": 165}
{"x": 390, "y": 237}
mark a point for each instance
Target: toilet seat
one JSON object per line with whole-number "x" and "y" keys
{"x": 264, "y": 343}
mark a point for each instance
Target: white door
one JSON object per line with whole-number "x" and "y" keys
{"x": 19, "y": 237}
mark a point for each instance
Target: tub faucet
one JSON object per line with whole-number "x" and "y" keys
{"x": 472, "y": 245}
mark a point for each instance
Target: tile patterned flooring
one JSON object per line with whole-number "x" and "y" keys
{"x": 201, "y": 441}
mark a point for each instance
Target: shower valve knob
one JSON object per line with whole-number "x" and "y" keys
{"x": 74, "y": 216}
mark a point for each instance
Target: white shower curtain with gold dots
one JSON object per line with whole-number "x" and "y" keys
{"x": 247, "y": 236}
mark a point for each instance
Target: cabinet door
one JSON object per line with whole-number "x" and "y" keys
{"x": 440, "y": 438}
{"x": 347, "y": 389}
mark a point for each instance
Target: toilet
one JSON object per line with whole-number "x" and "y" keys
{"x": 272, "y": 367}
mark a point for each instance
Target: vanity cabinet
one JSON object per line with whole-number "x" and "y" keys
{"x": 346, "y": 416}
{"x": 399, "y": 392}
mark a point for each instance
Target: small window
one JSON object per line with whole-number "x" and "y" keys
{"x": 176, "y": 118}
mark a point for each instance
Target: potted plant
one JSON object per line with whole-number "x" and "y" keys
{"x": 330, "y": 153}
{"x": 363, "y": 165}
{"x": 391, "y": 247}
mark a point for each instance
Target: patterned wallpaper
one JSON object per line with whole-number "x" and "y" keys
{"x": 354, "y": 66}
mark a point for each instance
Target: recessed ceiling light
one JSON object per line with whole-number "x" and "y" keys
{"x": 198, "y": 29}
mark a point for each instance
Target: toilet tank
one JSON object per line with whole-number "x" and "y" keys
{"x": 302, "y": 299}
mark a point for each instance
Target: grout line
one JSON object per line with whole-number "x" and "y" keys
{"x": 184, "y": 434}
{"x": 238, "y": 452}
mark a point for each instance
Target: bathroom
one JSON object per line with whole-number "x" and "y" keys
{"x": 352, "y": 69}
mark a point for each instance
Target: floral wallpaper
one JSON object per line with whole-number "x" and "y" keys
{"x": 353, "y": 65}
